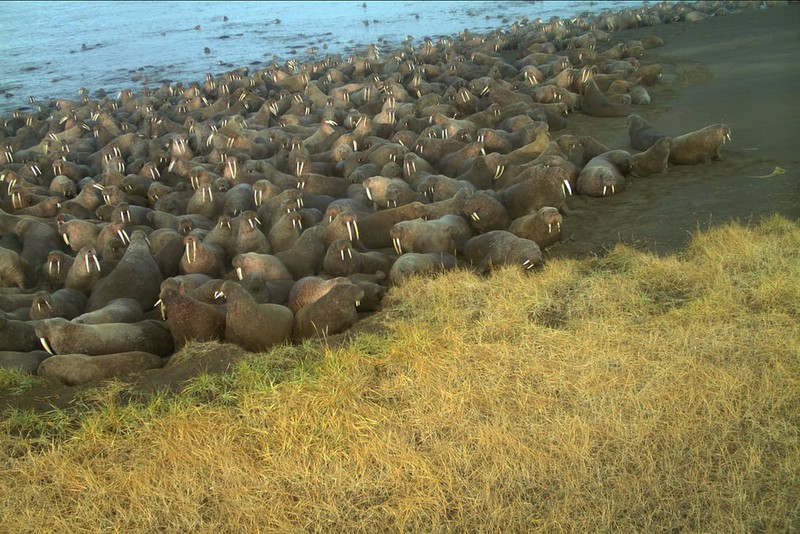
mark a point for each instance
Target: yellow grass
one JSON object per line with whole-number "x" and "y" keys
{"x": 629, "y": 393}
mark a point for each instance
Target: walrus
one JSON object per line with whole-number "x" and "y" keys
{"x": 542, "y": 227}
{"x": 416, "y": 264}
{"x": 596, "y": 104}
{"x": 374, "y": 228}
{"x": 77, "y": 369}
{"x": 200, "y": 257}
{"x": 547, "y": 187}
{"x": 253, "y": 326}
{"x": 189, "y": 319}
{"x": 78, "y": 233}
{"x": 603, "y": 175}
{"x": 311, "y": 288}
{"x": 641, "y": 134}
{"x": 27, "y": 362}
{"x": 486, "y": 213}
{"x": 66, "y": 303}
{"x": 501, "y": 247}
{"x": 444, "y": 234}
{"x": 699, "y": 146}
{"x": 17, "y": 335}
{"x": 85, "y": 270}
{"x": 38, "y": 239}
{"x": 331, "y": 314}
{"x": 121, "y": 310}
{"x": 137, "y": 276}
{"x": 342, "y": 260}
{"x": 270, "y": 266}
{"x": 654, "y": 160}
{"x": 59, "y": 336}
{"x": 305, "y": 256}
{"x": 12, "y": 269}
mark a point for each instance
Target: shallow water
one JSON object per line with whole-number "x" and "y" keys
{"x": 52, "y": 49}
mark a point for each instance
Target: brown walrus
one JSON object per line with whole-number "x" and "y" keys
{"x": 699, "y": 146}
{"x": 654, "y": 160}
{"x": 603, "y": 175}
{"x": 331, "y": 314}
{"x": 596, "y": 104}
{"x": 252, "y": 325}
{"x": 59, "y": 336}
{"x": 641, "y": 134}
{"x": 500, "y": 247}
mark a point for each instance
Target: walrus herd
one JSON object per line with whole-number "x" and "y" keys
{"x": 269, "y": 206}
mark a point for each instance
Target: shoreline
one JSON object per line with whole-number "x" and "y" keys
{"x": 739, "y": 70}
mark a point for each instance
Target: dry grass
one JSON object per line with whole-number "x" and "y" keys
{"x": 627, "y": 393}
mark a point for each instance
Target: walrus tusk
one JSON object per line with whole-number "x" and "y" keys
{"x": 96, "y": 262}
{"x": 549, "y": 228}
{"x": 369, "y": 193}
{"x": 66, "y": 239}
{"x": 499, "y": 171}
{"x": 46, "y": 346}
{"x": 186, "y": 253}
{"x": 239, "y": 273}
{"x": 397, "y": 246}
{"x": 123, "y": 235}
{"x": 604, "y": 190}
{"x": 341, "y": 253}
{"x": 568, "y": 188}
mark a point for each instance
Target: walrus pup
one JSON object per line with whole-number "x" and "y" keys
{"x": 500, "y": 247}
{"x": 253, "y": 326}
{"x": 603, "y": 176}
{"x": 654, "y": 160}
{"x": 331, "y": 314}
{"x": 699, "y": 146}
{"x": 642, "y": 135}
{"x": 596, "y": 104}
{"x": 59, "y": 336}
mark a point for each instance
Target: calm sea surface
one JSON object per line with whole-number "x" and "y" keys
{"x": 52, "y": 49}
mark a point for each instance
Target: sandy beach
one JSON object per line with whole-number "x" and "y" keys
{"x": 742, "y": 70}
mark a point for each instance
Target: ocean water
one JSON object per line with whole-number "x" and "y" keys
{"x": 52, "y": 49}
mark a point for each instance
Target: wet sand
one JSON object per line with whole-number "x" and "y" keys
{"x": 742, "y": 70}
